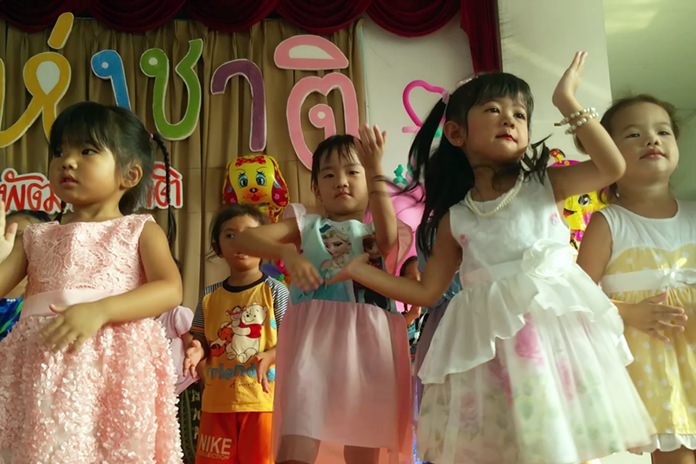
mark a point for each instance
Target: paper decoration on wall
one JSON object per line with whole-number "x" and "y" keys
{"x": 46, "y": 77}
{"x": 155, "y": 63}
{"x": 33, "y": 191}
{"x": 406, "y": 99}
{"x": 256, "y": 180}
{"x": 251, "y": 72}
{"x": 308, "y": 52}
{"x": 577, "y": 209}
{"x": 108, "y": 65}
{"x": 157, "y": 195}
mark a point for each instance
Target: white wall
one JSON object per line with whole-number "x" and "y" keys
{"x": 538, "y": 40}
{"x": 391, "y": 62}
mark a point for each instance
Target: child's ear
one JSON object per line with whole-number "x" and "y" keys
{"x": 455, "y": 133}
{"x": 132, "y": 176}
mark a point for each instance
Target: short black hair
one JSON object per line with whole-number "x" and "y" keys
{"x": 406, "y": 264}
{"x": 227, "y": 213}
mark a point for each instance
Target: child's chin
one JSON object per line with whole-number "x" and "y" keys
{"x": 244, "y": 264}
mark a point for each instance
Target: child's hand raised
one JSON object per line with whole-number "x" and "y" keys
{"x": 370, "y": 147}
{"x": 194, "y": 355}
{"x": 7, "y": 235}
{"x": 73, "y": 325}
{"x": 564, "y": 94}
{"x": 653, "y": 316}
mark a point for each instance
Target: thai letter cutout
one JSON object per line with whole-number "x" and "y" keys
{"x": 256, "y": 180}
{"x": 108, "y": 65}
{"x": 308, "y": 52}
{"x": 155, "y": 63}
{"x": 46, "y": 77}
{"x": 157, "y": 193}
{"x": 577, "y": 209}
{"x": 251, "y": 72}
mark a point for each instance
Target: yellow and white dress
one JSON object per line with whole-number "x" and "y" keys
{"x": 650, "y": 256}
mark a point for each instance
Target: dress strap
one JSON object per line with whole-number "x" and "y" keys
{"x": 648, "y": 279}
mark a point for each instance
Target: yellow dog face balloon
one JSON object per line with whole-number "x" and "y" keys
{"x": 256, "y": 180}
{"x": 577, "y": 209}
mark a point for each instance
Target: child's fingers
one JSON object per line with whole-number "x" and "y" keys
{"x": 657, "y": 299}
{"x": 2, "y": 215}
{"x": 10, "y": 232}
{"x": 580, "y": 60}
{"x": 672, "y": 325}
{"x": 66, "y": 339}
{"x": 311, "y": 277}
{"x": 265, "y": 385}
{"x": 54, "y": 330}
{"x": 77, "y": 344}
{"x": 659, "y": 335}
{"x": 665, "y": 312}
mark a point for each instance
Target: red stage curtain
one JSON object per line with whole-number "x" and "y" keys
{"x": 407, "y": 18}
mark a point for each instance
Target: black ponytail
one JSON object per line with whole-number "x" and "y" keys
{"x": 446, "y": 175}
{"x": 171, "y": 222}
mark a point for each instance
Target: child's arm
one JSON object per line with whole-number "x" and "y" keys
{"x": 265, "y": 360}
{"x": 13, "y": 261}
{"x": 370, "y": 150}
{"x": 650, "y": 315}
{"x": 436, "y": 277}
{"x": 161, "y": 292}
{"x": 278, "y": 241}
{"x": 606, "y": 163}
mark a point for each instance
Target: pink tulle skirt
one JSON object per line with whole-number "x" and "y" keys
{"x": 343, "y": 385}
{"x": 111, "y": 401}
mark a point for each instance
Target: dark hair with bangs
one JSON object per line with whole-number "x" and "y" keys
{"x": 343, "y": 144}
{"x": 122, "y": 132}
{"x": 231, "y": 212}
{"x": 446, "y": 172}
{"x": 607, "y": 194}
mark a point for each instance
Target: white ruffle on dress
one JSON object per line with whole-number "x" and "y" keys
{"x": 528, "y": 362}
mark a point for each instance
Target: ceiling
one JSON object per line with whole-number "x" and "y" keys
{"x": 652, "y": 49}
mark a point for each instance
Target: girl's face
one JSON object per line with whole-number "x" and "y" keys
{"x": 230, "y": 229}
{"x": 84, "y": 175}
{"x": 341, "y": 186}
{"x": 496, "y": 132}
{"x": 643, "y": 132}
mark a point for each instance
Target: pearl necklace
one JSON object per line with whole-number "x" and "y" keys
{"x": 507, "y": 198}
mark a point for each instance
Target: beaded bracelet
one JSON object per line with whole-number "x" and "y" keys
{"x": 580, "y": 122}
{"x": 577, "y": 114}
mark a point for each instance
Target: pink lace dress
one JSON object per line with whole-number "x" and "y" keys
{"x": 112, "y": 400}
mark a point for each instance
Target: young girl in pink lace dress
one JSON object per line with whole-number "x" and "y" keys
{"x": 87, "y": 376}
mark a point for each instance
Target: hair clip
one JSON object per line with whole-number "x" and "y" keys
{"x": 466, "y": 80}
